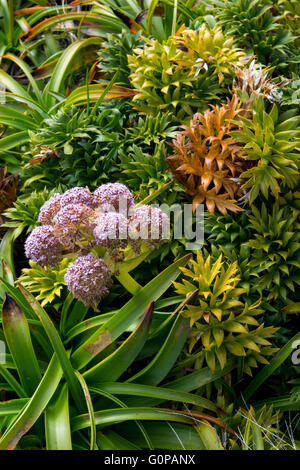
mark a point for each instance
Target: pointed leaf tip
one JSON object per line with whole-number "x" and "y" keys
{"x": 10, "y": 306}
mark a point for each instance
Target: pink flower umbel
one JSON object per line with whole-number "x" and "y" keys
{"x": 110, "y": 229}
{"x": 148, "y": 223}
{"x": 72, "y": 223}
{"x": 77, "y": 195}
{"x": 114, "y": 196}
{"x": 89, "y": 279}
{"x": 78, "y": 223}
{"x": 49, "y": 209}
{"x": 43, "y": 247}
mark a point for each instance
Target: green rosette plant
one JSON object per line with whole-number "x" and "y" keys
{"x": 222, "y": 325}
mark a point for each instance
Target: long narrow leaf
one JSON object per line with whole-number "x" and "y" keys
{"x": 58, "y": 347}
{"x": 64, "y": 64}
{"x": 268, "y": 370}
{"x": 18, "y": 338}
{"x": 79, "y": 97}
{"x": 90, "y": 408}
{"x": 112, "y": 367}
{"x": 12, "y": 407}
{"x": 127, "y": 315}
{"x": 24, "y": 67}
{"x": 113, "y": 416}
{"x": 164, "y": 394}
{"x": 166, "y": 357}
{"x": 50, "y": 22}
{"x": 57, "y": 421}
{"x": 14, "y": 140}
{"x": 10, "y": 380}
{"x": 34, "y": 408}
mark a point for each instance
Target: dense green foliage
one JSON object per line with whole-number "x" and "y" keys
{"x": 183, "y": 102}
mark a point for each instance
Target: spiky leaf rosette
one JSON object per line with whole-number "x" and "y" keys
{"x": 24, "y": 214}
{"x": 276, "y": 250}
{"x": 241, "y": 255}
{"x": 258, "y": 429}
{"x": 254, "y": 26}
{"x": 255, "y": 79}
{"x": 291, "y": 17}
{"x": 165, "y": 86}
{"x": 229, "y": 230}
{"x": 85, "y": 149}
{"x": 206, "y": 160}
{"x": 150, "y": 130}
{"x": 272, "y": 141}
{"x": 222, "y": 325}
{"x": 143, "y": 172}
{"x": 91, "y": 163}
{"x": 209, "y": 49}
{"x": 114, "y": 55}
{"x": 61, "y": 129}
{"x": 47, "y": 283}
{"x": 291, "y": 198}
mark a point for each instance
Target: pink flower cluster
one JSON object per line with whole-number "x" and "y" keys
{"x": 43, "y": 247}
{"x": 89, "y": 279}
{"x": 76, "y": 222}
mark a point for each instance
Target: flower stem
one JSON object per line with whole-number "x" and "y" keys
{"x": 129, "y": 283}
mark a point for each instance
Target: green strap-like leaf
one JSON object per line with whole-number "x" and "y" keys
{"x": 11, "y": 141}
{"x": 163, "y": 394}
{"x": 46, "y": 24}
{"x": 34, "y": 407}
{"x": 112, "y": 367}
{"x": 79, "y": 96}
{"x": 57, "y": 421}
{"x": 15, "y": 119}
{"x": 64, "y": 64}
{"x": 209, "y": 436}
{"x": 268, "y": 370}
{"x": 200, "y": 377}
{"x": 12, "y": 407}
{"x": 12, "y": 382}
{"x": 282, "y": 403}
{"x": 110, "y": 440}
{"x": 150, "y": 13}
{"x": 127, "y": 315}
{"x": 6, "y": 251}
{"x": 90, "y": 408}
{"x": 18, "y": 339}
{"x": 164, "y": 360}
{"x": 24, "y": 67}
{"x": 105, "y": 417}
{"x": 58, "y": 347}
{"x": 164, "y": 435}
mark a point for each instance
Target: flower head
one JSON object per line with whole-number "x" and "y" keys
{"x": 73, "y": 222}
{"x": 114, "y": 196}
{"x": 148, "y": 223}
{"x": 254, "y": 79}
{"x": 49, "y": 209}
{"x": 76, "y": 196}
{"x": 110, "y": 229}
{"x": 89, "y": 279}
{"x": 43, "y": 247}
